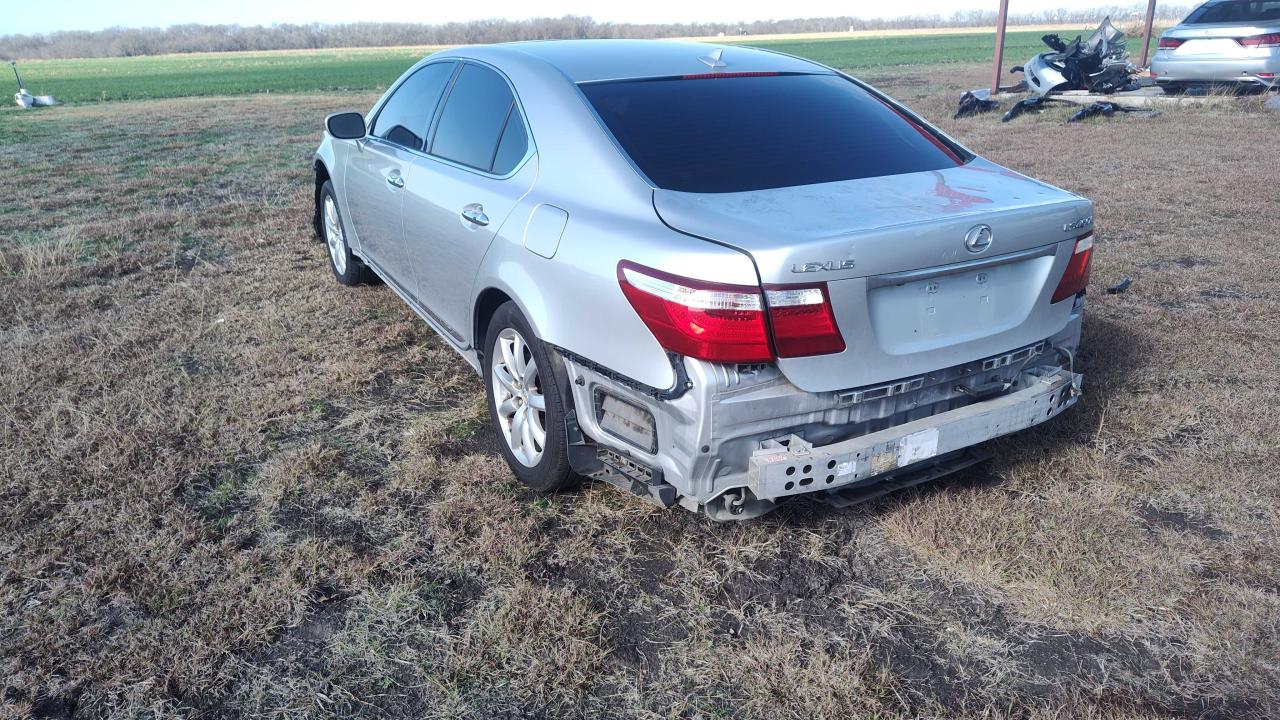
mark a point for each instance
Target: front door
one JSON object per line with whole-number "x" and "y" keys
{"x": 378, "y": 168}
{"x": 375, "y": 179}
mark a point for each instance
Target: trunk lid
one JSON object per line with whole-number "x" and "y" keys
{"x": 908, "y": 295}
{"x": 1217, "y": 40}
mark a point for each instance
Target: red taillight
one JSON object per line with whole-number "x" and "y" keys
{"x": 726, "y": 323}
{"x": 802, "y": 320}
{"x": 1169, "y": 43}
{"x": 710, "y": 321}
{"x": 1076, "y": 276}
{"x": 1254, "y": 41}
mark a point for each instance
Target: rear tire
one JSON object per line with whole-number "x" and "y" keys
{"x": 1172, "y": 89}
{"x": 347, "y": 268}
{"x": 522, "y": 388}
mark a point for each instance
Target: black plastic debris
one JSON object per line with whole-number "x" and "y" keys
{"x": 1120, "y": 286}
{"x": 1032, "y": 104}
{"x": 971, "y": 105}
{"x": 1107, "y": 109}
{"x": 1055, "y": 42}
{"x": 1112, "y": 79}
{"x": 1104, "y": 109}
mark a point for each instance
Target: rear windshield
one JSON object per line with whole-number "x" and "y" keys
{"x": 733, "y": 134}
{"x": 1240, "y": 11}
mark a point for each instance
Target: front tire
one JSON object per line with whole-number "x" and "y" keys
{"x": 347, "y": 268}
{"x": 522, "y": 387}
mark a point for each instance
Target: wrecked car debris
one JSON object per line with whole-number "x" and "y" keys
{"x": 1036, "y": 104}
{"x": 1099, "y": 108}
{"x": 25, "y": 99}
{"x": 971, "y": 104}
{"x": 1120, "y": 286}
{"x": 1107, "y": 109}
{"x": 1099, "y": 64}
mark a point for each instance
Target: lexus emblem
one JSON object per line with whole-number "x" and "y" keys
{"x": 978, "y": 238}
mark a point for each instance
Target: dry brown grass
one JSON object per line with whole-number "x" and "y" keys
{"x": 230, "y": 487}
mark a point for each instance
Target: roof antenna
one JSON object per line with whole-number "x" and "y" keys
{"x": 14, "y": 64}
{"x": 713, "y": 60}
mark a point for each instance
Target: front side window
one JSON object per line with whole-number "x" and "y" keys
{"x": 474, "y": 117}
{"x": 406, "y": 116}
{"x": 742, "y": 133}
{"x": 1238, "y": 11}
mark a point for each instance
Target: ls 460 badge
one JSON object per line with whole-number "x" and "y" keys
{"x": 822, "y": 266}
{"x": 1080, "y": 224}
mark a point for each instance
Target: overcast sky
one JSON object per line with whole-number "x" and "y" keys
{"x": 39, "y": 16}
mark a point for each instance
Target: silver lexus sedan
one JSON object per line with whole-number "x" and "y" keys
{"x": 714, "y": 276}
{"x": 1224, "y": 43}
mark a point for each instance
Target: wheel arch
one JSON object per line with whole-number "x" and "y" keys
{"x": 487, "y": 303}
{"x": 321, "y": 177}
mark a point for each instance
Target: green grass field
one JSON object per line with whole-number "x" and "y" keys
{"x": 132, "y": 78}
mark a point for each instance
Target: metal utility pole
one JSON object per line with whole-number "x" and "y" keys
{"x": 1146, "y": 32}
{"x": 1001, "y": 20}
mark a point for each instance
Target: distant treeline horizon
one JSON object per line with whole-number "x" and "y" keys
{"x": 193, "y": 38}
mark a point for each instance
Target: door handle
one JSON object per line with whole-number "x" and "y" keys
{"x": 395, "y": 180}
{"x": 474, "y": 214}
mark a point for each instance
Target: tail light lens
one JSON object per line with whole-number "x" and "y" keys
{"x": 1169, "y": 43}
{"x": 710, "y": 321}
{"x": 1255, "y": 41}
{"x": 727, "y": 323}
{"x": 1076, "y": 276}
{"x": 802, "y": 320}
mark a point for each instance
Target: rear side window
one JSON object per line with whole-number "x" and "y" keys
{"x": 735, "y": 134}
{"x": 473, "y": 118}
{"x": 513, "y": 146}
{"x": 1241, "y": 11}
{"x": 406, "y": 116}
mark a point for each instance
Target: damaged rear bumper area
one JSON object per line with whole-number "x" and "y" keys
{"x": 735, "y": 440}
{"x": 793, "y": 466}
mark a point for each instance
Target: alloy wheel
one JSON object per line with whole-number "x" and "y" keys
{"x": 518, "y": 397}
{"x": 333, "y": 235}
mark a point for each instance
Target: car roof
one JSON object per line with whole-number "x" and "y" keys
{"x": 596, "y": 60}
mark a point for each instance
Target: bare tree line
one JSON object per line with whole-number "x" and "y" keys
{"x": 126, "y": 42}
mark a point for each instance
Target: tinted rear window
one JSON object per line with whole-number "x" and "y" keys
{"x": 752, "y": 133}
{"x": 473, "y": 118}
{"x": 1246, "y": 11}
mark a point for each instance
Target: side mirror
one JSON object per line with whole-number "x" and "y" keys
{"x": 345, "y": 125}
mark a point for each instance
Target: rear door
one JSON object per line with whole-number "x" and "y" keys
{"x": 475, "y": 171}
{"x": 377, "y": 168}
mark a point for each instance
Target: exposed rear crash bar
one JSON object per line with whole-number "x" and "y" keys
{"x": 791, "y": 466}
